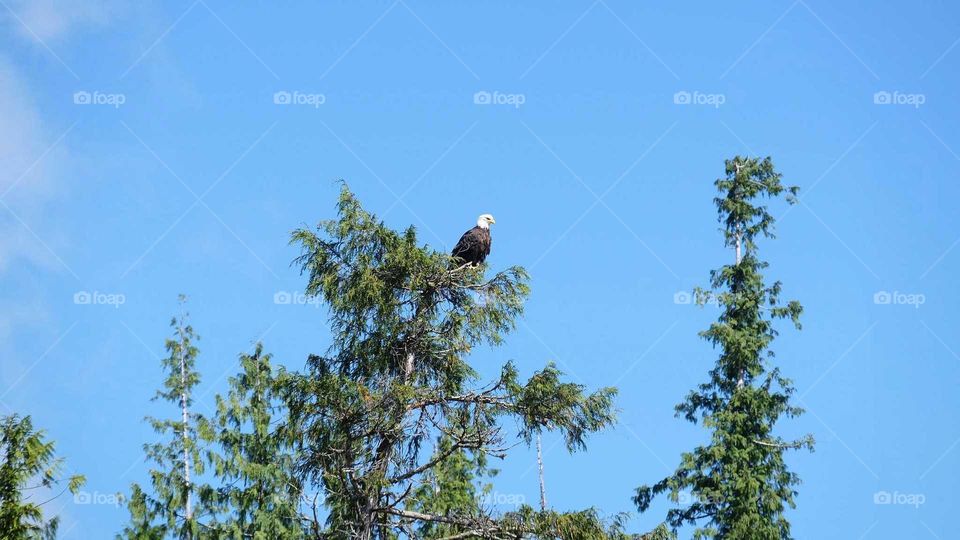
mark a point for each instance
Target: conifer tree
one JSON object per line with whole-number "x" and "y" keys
{"x": 458, "y": 484}
{"x": 738, "y": 484}
{"x": 364, "y": 416}
{"x": 171, "y": 509}
{"x": 258, "y": 494}
{"x": 30, "y": 476}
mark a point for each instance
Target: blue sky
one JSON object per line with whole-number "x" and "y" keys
{"x": 142, "y": 155}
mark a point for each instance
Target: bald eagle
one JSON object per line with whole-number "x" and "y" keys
{"x": 474, "y": 245}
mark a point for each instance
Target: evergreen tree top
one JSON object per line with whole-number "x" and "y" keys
{"x": 738, "y": 207}
{"x": 405, "y": 318}
{"x": 738, "y": 482}
{"x": 28, "y": 466}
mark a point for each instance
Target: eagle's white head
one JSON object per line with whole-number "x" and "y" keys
{"x": 485, "y": 221}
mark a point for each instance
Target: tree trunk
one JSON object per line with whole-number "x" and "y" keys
{"x": 188, "y": 507}
{"x": 740, "y": 380}
{"x": 543, "y": 486}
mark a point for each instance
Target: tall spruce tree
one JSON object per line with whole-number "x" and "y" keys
{"x": 738, "y": 483}
{"x": 364, "y": 416}
{"x": 171, "y": 508}
{"x": 458, "y": 484}
{"x": 259, "y": 497}
{"x": 30, "y": 476}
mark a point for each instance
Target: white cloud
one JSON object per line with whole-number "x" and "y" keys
{"x": 31, "y": 185}
{"x": 52, "y": 20}
{"x": 31, "y": 155}
{"x": 29, "y": 179}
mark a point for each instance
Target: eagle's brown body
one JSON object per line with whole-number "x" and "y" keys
{"x": 473, "y": 247}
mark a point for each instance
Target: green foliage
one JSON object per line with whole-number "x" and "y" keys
{"x": 254, "y": 494}
{"x": 739, "y": 482}
{"x": 549, "y": 525}
{"x": 404, "y": 319}
{"x": 453, "y": 487}
{"x": 390, "y": 297}
{"x": 257, "y": 495}
{"x": 175, "y": 501}
{"x": 29, "y": 472}
{"x": 547, "y": 403}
